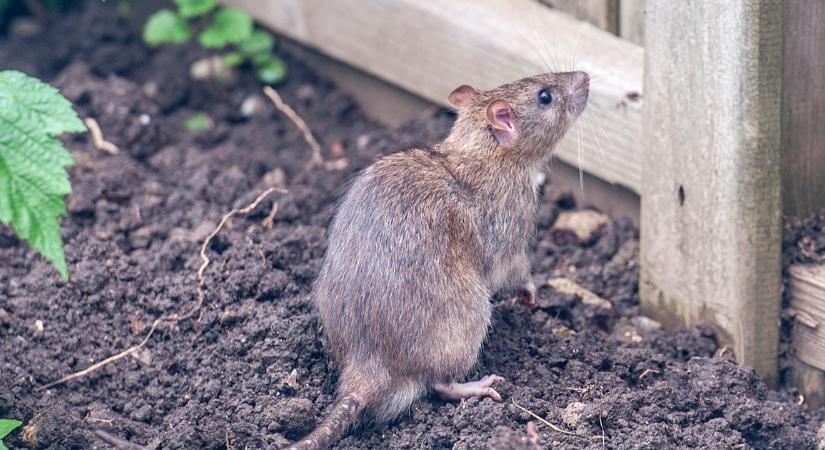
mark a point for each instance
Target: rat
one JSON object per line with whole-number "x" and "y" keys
{"x": 423, "y": 239}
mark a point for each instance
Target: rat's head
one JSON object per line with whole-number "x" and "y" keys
{"x": 529, "y": 115}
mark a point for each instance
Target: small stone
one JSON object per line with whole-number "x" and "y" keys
{"x": 581, "y": 226}
{"x": 362, "y": 141}
{"x": 252, "y": 106}
{"x": 5, "y": 317}
{"x": 566, "y": 286}
{"x": 145, "y": 119}
{"x": 38, "y": 326}
{"x": 291, "y": 380}
{"x": 572, "y": 415}
{"x": 211, "y": 68}
{"x": 646, "y": 324}
{"x": 562, "y": 331}
{"x": 150, "y": 89}
{"x": 820, "y": 438}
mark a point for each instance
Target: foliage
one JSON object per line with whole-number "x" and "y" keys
{"x": 6, "y": 427}
{"x": 199, "y": 122}
{"x": 33, "y": 177}
{"x": 216, "y": 28}
{"x": 164, "y": 27}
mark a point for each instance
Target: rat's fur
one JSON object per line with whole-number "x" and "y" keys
{"x": 422, "y": 240}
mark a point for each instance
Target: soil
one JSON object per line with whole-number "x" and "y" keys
{"x": 250, "y": 370}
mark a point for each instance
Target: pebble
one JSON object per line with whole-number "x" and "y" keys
{"x": 252, "y": 106}
{"x": 581, "y": 226}
{"x": 567, "y": 286}
{"x": 211, "y": 68}
{"x": 572, "y": 415}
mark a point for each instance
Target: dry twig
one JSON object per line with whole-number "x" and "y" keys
{"x": 97, "y": 137}
{"x": 172, "y": 317}
{"x": 544, "y": 421}
{"x": 117, "y": 442}
{"x": 316, "y": 158}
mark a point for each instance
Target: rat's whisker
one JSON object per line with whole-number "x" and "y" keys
{"x": 581, "y": 172}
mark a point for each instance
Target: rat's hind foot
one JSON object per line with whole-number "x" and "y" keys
{"x": 480, "y": 388}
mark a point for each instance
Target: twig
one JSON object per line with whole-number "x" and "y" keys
{"x": 117, "y": 442}
{"x": 545, "y": 422}
{"x": 97, "y": 137}
{"x": 647, "y": 372}
{"x": 315, "y": 158}
{"x": 172, "y": 317}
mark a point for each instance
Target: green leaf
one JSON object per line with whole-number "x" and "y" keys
{"x": 257, "y": 43}
{"x": 229, "y": 26}
{"x": 195, "y": 8}
{"x": 7, "y": 426}
{"x": 33, "y": 177}
{"x": 199, "y": 122}
{"x": 272, "y": 71}
{"x": 233, "y": 59}
{"x": 166, "y": 27}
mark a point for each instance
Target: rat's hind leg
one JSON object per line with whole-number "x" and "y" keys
{"x": 480, "y": 388}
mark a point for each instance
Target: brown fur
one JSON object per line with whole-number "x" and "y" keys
{"x": 421, "y": 241}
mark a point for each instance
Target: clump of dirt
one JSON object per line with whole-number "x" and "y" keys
{"x": 251, "y": 370}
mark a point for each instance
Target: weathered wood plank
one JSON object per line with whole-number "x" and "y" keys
{"x": 807, "y": 289}
{"x": 602, "y": 13}
{"x": 711, "y": 206}
{"x": 632, "y": 20}
{"x": 429, "y": 48}
{"x": 804, "y": 107}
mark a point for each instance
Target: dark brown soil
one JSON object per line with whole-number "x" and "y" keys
{"x": 223, "y": 379}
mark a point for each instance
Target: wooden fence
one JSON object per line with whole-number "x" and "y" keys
{"x": 733, "y": 98}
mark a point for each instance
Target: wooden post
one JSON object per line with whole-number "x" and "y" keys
{"x": 601, "y": 13}
{"x": 632, "y": 20}
{"x": 711, "y": 206}
{"x": 804, "y": 107}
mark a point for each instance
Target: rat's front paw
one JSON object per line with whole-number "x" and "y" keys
{"x": 527, "y": 294}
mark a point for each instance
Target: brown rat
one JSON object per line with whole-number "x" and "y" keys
{"x": 423, "y": 239}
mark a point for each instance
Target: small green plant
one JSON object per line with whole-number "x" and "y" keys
{"x": 6, "y": 427}
{"x": 198, "y": 122}
{"x": 217, "y": 28}
{"x": 33, "y": 177}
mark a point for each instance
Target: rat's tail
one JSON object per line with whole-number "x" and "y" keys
{"x": 344, "y": 413}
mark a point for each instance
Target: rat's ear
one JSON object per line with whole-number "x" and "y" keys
{"x": 501, "y": 118}
{"x": 462, "y": 96}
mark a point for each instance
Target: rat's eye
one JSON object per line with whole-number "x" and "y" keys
{"x": 544, "y": 97}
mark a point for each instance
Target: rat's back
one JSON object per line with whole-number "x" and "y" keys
{"x": 401, "y": 273}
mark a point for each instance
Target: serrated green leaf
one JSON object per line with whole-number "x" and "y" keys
{"x": 233, "y": 59}
{"x": 166, "y": 27}
{"x": 229, "y": 26}
{"x": 33, "y": 177}
{"x": 7, "y": 426}
{"x": 272, "y": 71}
{"x": 259, "y": 42}
{"x": 195, "y": 8}
{"x": 40, "y": 103}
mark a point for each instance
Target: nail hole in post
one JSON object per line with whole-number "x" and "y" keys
{"x": 681, "y": 193}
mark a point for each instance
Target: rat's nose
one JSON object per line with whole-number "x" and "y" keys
{"x": 580, "y": 80}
